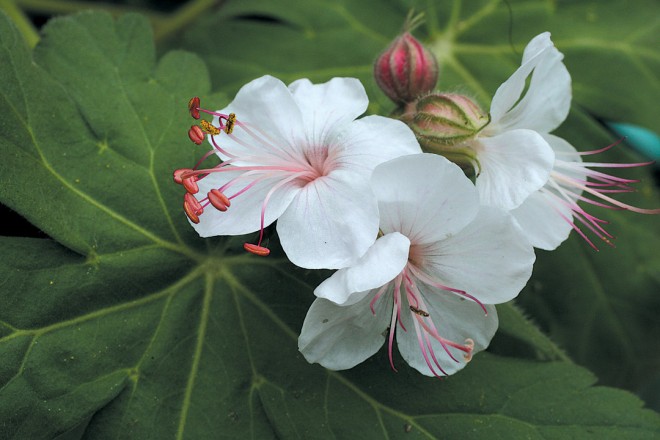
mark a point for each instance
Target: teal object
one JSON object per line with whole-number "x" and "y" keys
{"x": 644, "y": 141}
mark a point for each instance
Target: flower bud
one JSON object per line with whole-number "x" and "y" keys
{"x": 406, "y": 70}
{"x": 442, "y": 124}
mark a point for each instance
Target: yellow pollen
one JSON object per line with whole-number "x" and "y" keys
{"x": 209, "y": 128}
{"x": 231, "y": 120}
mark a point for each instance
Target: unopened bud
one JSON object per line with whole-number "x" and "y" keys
{"x": 442, "y": 124}
{"x": 406, "y": 70}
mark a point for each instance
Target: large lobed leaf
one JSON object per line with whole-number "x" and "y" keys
{"x": 126, "y": 325}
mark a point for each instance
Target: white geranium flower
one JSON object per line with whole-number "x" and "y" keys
{"x": 538, "y": 176}
{"x": 298, "y": 155}
{"x": 548, "y": 215}
{"x": 431, "y": 278}
{"x": 514, "y": 158}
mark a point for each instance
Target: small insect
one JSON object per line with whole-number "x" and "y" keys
{"x": 229, "y": 125}
{"x": 419, "y": 311}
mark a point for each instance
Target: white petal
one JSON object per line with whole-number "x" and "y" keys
{"x": 543, "y": 217}
{"x": 372, "y": 140}
{"x": 331, "y": 222}
{"x": 562, "y": 148}
{"x": 340, "y": 337}
{"x": 567, "y": 159}
{"x": 423, "y": 196}
{"x": 274, "y": 121}
{"x": 455, "y": 320}
{"x": 513, "y": 165}
{"x": 244, "y": 214}
{"x": 489, "y": 259}
{"x": 544, "y": 220}
{"x": 378, "y": 266}
{"x": 546, "y": 103}
{"x": 328, "y": 107}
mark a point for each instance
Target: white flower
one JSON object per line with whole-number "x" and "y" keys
{"x": 431, "y": 278}
{"x": 297, "y": 155}
{"x": 514, "y": 158}
{"x": 538, "y": 176}
{"x": 550, "y": 214}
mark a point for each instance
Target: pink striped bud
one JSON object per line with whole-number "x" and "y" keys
{"x": 406, "y": 70}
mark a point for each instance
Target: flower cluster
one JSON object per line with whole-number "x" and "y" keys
{"x": 430, "y": 218}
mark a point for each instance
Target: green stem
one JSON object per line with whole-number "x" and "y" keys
{"x": 22, "y": 21}
{"x": 183, "y": 17}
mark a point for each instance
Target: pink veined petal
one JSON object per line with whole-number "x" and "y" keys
{"x": 372, "y": 140}
{"x": 328, "y": 107}
{"x": 330, "y": 223}
{"x": 514, "y": 164}
{"x": 542, "y": 220}
{"x": 455, "y": 320}
{"x": 274, "y": 120}
{"x": 244, "y": 215}
{"x": 384, "y": 260}
{"x": 489, "y": 259}
{"x": 340, "y": 337}
{"x": 546, "y": 103}
{"x": 423, "y": 196}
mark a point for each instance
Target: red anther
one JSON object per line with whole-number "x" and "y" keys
{"x": 193, "y": 107}
{"x": 256, "y": 250}
{"x": 190, "y": 184}
{"x": 196, "y": 134}
{"x": 190, "y": 212}
{"x": 178, "y": 174}
{"x": 194, "y": 204}
{"x": 218, "y": 200}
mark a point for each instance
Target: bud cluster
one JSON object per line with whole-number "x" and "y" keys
{"x": 442, "y": 122}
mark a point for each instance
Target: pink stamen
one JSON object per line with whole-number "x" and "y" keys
{"x": 431, "y": 282}
{"x": 422, "y": 347}
{"x": 562, "y": 178}
{"x": 376, "y": 298}
{"x": 397, "y": 299}
{"x": 429, "y": 345}
{"x": 220, "y": 149}
{"x": 568, "y": 220}
{"x": 267, "y": 198}
{"x": 591, "y": 222}
{"x": 393, "y": 321}
{"x": 601, "y": 150}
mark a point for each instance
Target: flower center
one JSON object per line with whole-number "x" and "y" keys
{"x": 317, "y": 159}
{"x": 408, "y": 298}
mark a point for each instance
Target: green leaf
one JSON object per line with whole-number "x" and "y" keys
{"x": 127, "y": 325}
